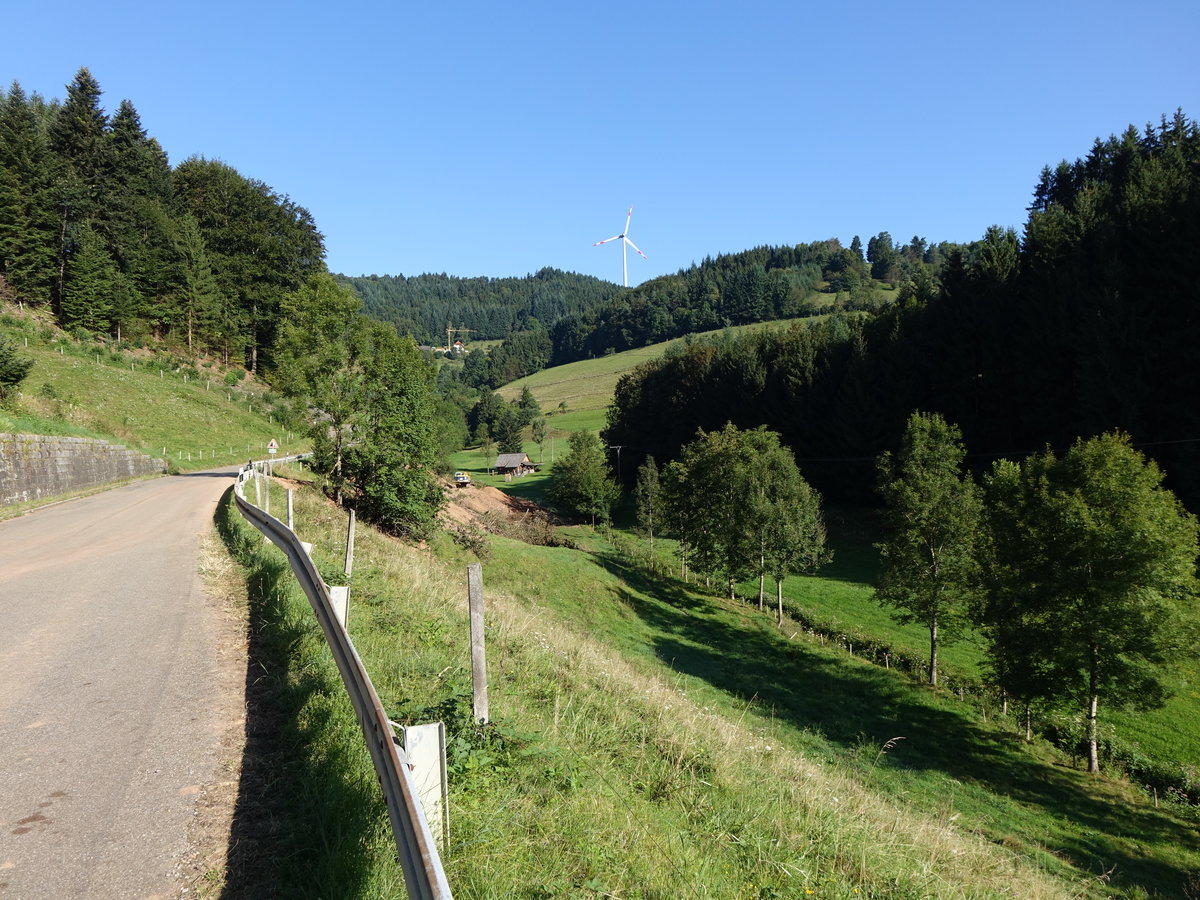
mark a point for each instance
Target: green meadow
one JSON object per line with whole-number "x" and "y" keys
{"x": 589, "y": 384}
{"x": 181, "y": 410}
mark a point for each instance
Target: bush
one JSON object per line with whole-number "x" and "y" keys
{"x": 13, "y": 369}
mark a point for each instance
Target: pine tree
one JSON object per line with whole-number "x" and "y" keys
{"x": 79, "y": 139}
{"x": 199, "y": 296}
{"x": 90, "y": 280}
{"x": 392, "y": 463}
{"x": 507, "y": 429}
{"x": 143, "y": 239}
{"x": 27, "y": 219}
{"x": 13, "y": 369}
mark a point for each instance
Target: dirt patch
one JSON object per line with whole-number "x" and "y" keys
{"x": 473, "y": 504}
{"x": 202, "y": 871}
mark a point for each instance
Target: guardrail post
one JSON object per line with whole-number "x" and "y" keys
{"x": 339, "y": 598}
{"x": 425, "y": 747}
{"x": 416, "y": 847}
{"x": 291, "y": 519}
{"x": 478, "y": 661}
{"x": 267, "y": 486}
{"x": 349, "y": 567}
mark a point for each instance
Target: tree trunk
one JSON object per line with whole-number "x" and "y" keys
{"x": 1093, "y": 703}
{"x": 254, "y": 338}
{"x": 779, "y": 600}
{"x": 762, "y": 583}
{"x": 933, "y": 652}
{"x": 1028, "y": 722}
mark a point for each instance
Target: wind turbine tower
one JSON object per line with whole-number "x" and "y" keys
{"x": 623, "y": 237}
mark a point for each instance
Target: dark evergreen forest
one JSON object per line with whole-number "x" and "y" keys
{"x": 97, "y": 227}
{"x": 491, "y": 308}
{"x": 1086, "y": 323}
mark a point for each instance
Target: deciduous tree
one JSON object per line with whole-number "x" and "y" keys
{"x": 930, "y": 569}
{"x": 647, "y": 495}
{"x": 581, "y": 482}
{"x": 1093, "y": 587}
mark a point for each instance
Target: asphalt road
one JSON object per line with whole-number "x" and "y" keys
{"x": 114, "y": 690}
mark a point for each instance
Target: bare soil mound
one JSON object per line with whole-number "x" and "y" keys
{"x": 470, "y": 505}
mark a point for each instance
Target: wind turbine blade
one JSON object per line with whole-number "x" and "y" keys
{"x": 627, "y": 218}
{"x": 606, "y": 240}
{"x": 635, "y": 247}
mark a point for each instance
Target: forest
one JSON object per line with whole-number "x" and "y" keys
{"x": 491, "y": 308}
{"x": 1085, "y": 324}
{"x": 99, "y": 232}
{"x": 97, "y": 227}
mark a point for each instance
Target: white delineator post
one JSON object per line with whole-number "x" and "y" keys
{"x": 478, "y": 661}
{"x": 349, "y": 567}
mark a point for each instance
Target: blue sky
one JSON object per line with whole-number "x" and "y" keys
{"x": 495, "y": 139}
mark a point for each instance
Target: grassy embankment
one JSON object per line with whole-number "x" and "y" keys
{"x": 650, "y": 741}
{"x": 162, "y": 406}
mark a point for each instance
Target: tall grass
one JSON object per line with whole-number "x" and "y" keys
{"x": 610, "y": 769}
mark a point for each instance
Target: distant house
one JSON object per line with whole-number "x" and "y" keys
{"x": 514, "y": 464}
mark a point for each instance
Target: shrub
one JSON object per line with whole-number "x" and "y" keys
{"x": 13, "y": 369}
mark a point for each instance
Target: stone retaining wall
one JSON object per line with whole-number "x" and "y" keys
{"x": 33, "y": 466}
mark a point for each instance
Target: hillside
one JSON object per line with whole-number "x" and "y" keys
{"x": 423, "y": 305}
{"x": 196, "y": 415}
{"x": 588, "y": 385}
{"x": 651, "y": 740}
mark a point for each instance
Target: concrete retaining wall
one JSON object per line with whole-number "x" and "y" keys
{"x": 33, "y": 466}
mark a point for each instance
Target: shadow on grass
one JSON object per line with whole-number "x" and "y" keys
{"x": 856, "y": 705}
{"x": 298, "y": 824}
{"x": 531, "y": 487}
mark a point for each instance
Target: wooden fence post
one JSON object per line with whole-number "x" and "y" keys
{"x": 478, "y": 661}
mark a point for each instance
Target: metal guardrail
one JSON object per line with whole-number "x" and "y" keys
{"x": 416, "y": 850}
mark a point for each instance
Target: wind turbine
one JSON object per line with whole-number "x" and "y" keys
{"x": 623, "y": 237}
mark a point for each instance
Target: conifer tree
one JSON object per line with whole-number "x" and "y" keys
{"x": 507, "y": 429}
{"x": 199, "y": 296}
{"x": 393, "y": 462}
{"x": 13, "y": 369}
{"x": 79, "y": 138}
{"x": 90, "y": 281}
{"x": 27, "y": 220}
